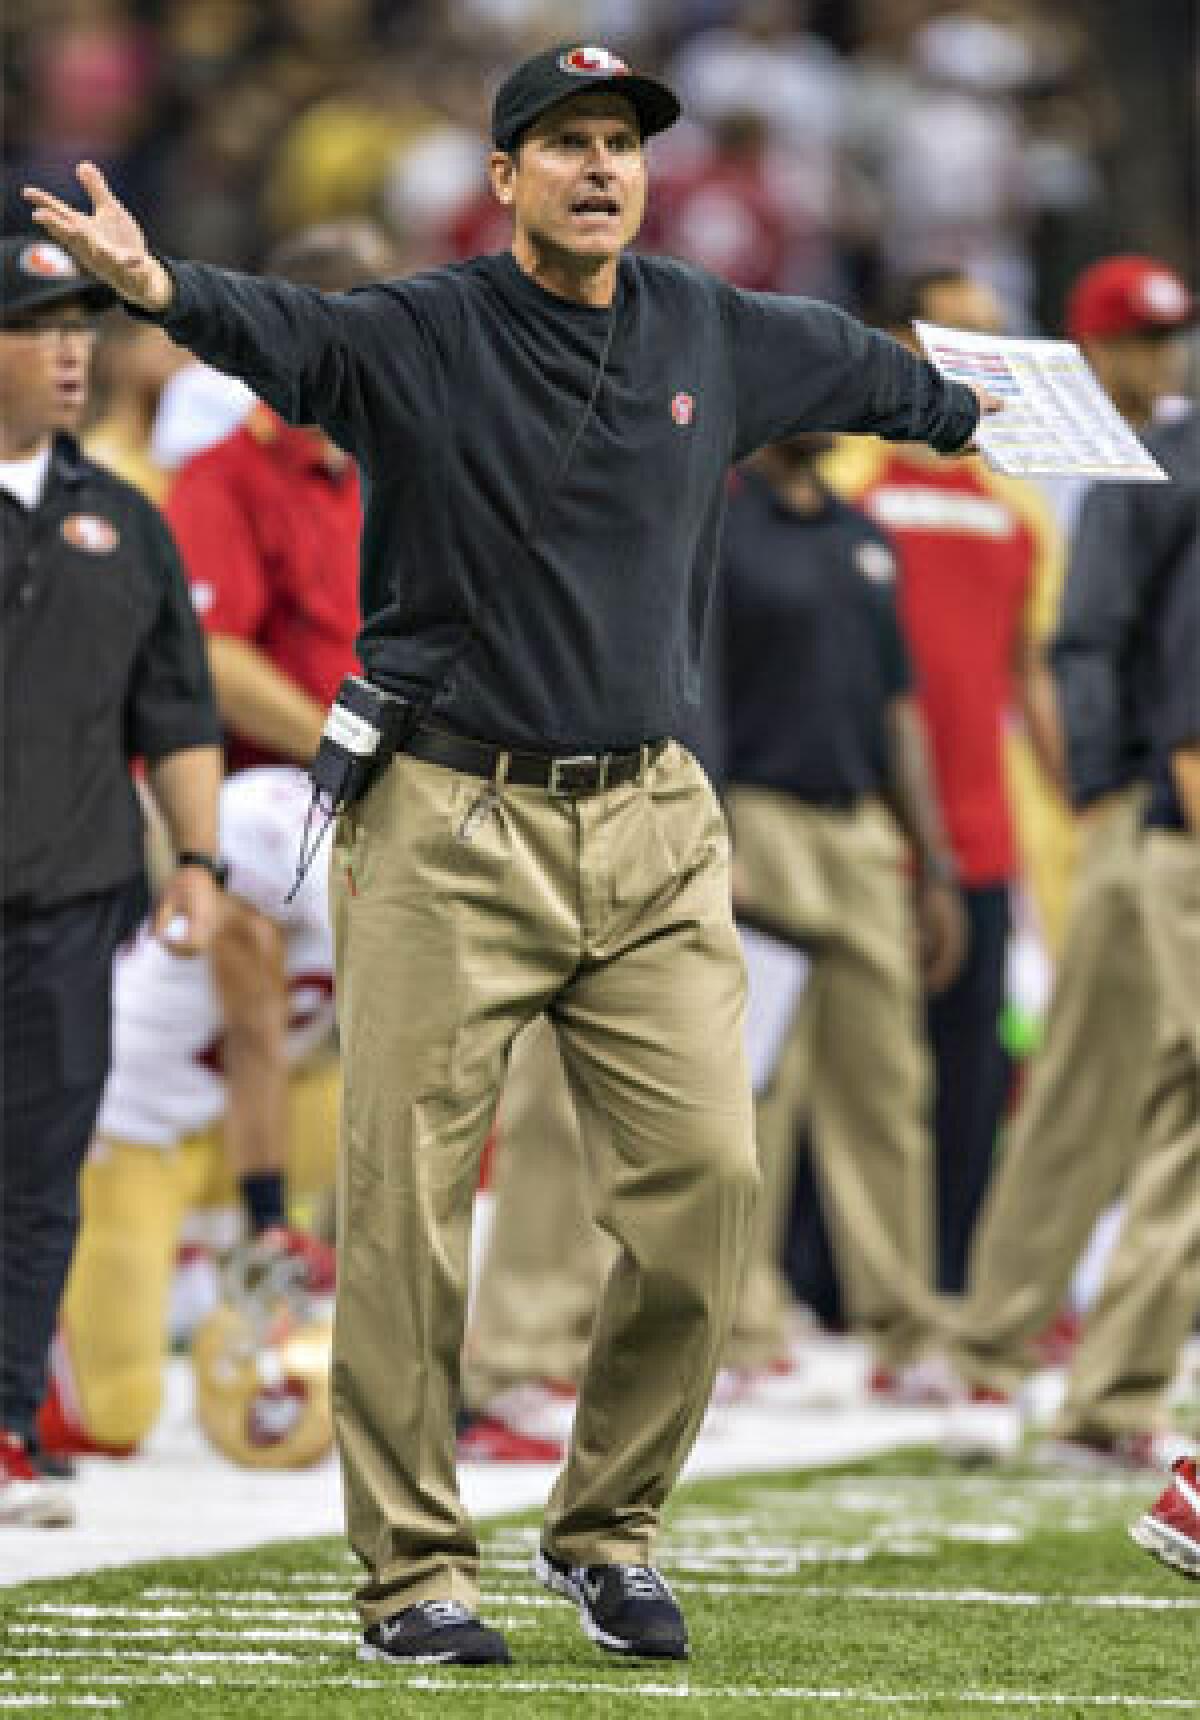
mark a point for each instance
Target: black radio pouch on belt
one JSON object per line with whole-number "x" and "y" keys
{"x": 363, "y": 730}
{"x": 365, "y": 726}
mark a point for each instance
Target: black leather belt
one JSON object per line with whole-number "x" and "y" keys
{"x": 570, "y": 776}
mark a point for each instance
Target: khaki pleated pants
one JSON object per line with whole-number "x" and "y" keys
{"x": 460, "y": 915}
{"x": 1077, "y": 1133}
{"x": 1151, "y": 1293}
{"x": 855, "y": 1063}
{"x": 546, "y": 1259}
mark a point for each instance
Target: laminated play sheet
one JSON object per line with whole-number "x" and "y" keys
{"x": 1057, "y": 420}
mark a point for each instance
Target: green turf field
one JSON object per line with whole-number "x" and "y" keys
{"x": 900, "y": 1587}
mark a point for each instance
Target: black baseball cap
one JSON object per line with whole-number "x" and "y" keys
{"x": 552, "y": 77}
{"x": 35, "y": 272}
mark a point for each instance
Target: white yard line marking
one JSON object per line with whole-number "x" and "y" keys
{"x": 969, "y": 1597}
{"x": 989, "y": 1698}
{"x": 172, "y": 1656}
{"x": 166, "y": 1632}
{"x": 318, "y": 1597}
{"x": 518, "y": 1598}
{"x": 208, "y": 1633}
{"x": 37, "y": 1700}
{"x": 579, "y": 1687}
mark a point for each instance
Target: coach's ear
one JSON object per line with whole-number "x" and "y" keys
{"x": 502, "y": 170}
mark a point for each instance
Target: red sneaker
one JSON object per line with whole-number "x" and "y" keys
{"x": 1170, "y": 1532}
{"x": 26, "y": 1501}
{"x": 61, "y": 1433}
{"x": 1099, "y": 1453}
{"x": 487, "y": 1439}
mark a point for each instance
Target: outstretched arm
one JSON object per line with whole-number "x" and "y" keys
{"x": 346, "y": 361}
{"x": 800, "y": 365}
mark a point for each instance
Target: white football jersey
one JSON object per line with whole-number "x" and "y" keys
{"x": 166, "y": 1078}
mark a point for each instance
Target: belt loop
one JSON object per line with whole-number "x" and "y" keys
{"x": 500, "y": 771}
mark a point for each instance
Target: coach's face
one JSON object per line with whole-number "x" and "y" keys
{"x": 576, "y": 182}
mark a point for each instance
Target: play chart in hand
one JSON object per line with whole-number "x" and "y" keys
{"x": 1057, "y": 420}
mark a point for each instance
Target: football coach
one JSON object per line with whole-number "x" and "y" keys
{"x": 103, "y": 662}
{"x": 545, "y": 435}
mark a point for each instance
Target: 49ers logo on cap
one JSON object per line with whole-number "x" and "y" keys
{"x": 683, "y": 409}
{"x": 593, "y": 63}
{"x": 90, "y": 532}
{"x": 1163, "y": 297}
{"x": 48, "y": 262}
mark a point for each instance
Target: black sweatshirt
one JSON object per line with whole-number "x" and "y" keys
{"x": 552, "y": 609}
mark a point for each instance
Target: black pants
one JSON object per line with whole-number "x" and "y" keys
{"x": 56, "y": 965}
{"x": 971, "y": 1071}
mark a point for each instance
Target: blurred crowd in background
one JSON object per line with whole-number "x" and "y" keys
{"x": 827, "y": 141}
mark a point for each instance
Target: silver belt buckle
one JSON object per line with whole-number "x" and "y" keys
{"x": 581, "y": 773}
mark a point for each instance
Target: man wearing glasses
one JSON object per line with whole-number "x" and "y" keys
{"x": 103, "y": 663}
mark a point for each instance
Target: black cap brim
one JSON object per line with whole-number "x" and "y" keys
{"x": 92, "y": 295}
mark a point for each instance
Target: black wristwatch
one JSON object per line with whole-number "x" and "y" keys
{"x": 218, "y": 870}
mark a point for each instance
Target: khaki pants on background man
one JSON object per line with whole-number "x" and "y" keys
{"x": 1134, "y": 1334}
{"x": 1076, "y": 1136}
{"x": 855, "y": 1061}
{"x": 546, "y": 1258}
{"x": 460, "y": 915}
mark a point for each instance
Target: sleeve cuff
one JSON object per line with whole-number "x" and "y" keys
{"x": 169, "y": 312}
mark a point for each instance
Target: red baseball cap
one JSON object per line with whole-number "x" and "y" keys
{"x": 1127, "y": 295}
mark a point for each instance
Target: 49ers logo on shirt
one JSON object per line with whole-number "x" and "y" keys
{"x": 593, "y": 63}
{"x": 90, "y": 532}
{"x": 683, "y": 409}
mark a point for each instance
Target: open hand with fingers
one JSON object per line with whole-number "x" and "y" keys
{"x": 107, "y": 242}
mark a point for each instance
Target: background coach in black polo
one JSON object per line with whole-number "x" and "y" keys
{"x": 825, "y": 767}
{"x": 545, "y": 435}
{"x": 103, "y": 662}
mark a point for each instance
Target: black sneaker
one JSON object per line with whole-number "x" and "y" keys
{"x": 434, "y": 1632}
{"x": 625, "y": 1608}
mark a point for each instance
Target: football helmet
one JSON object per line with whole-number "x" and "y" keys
{"x": 261, "y": 1362}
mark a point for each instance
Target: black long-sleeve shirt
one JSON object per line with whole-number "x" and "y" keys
{"x": 553, "y": 607}
{"x": 104, "y": 661}
{"x": 1107, "y": 650}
